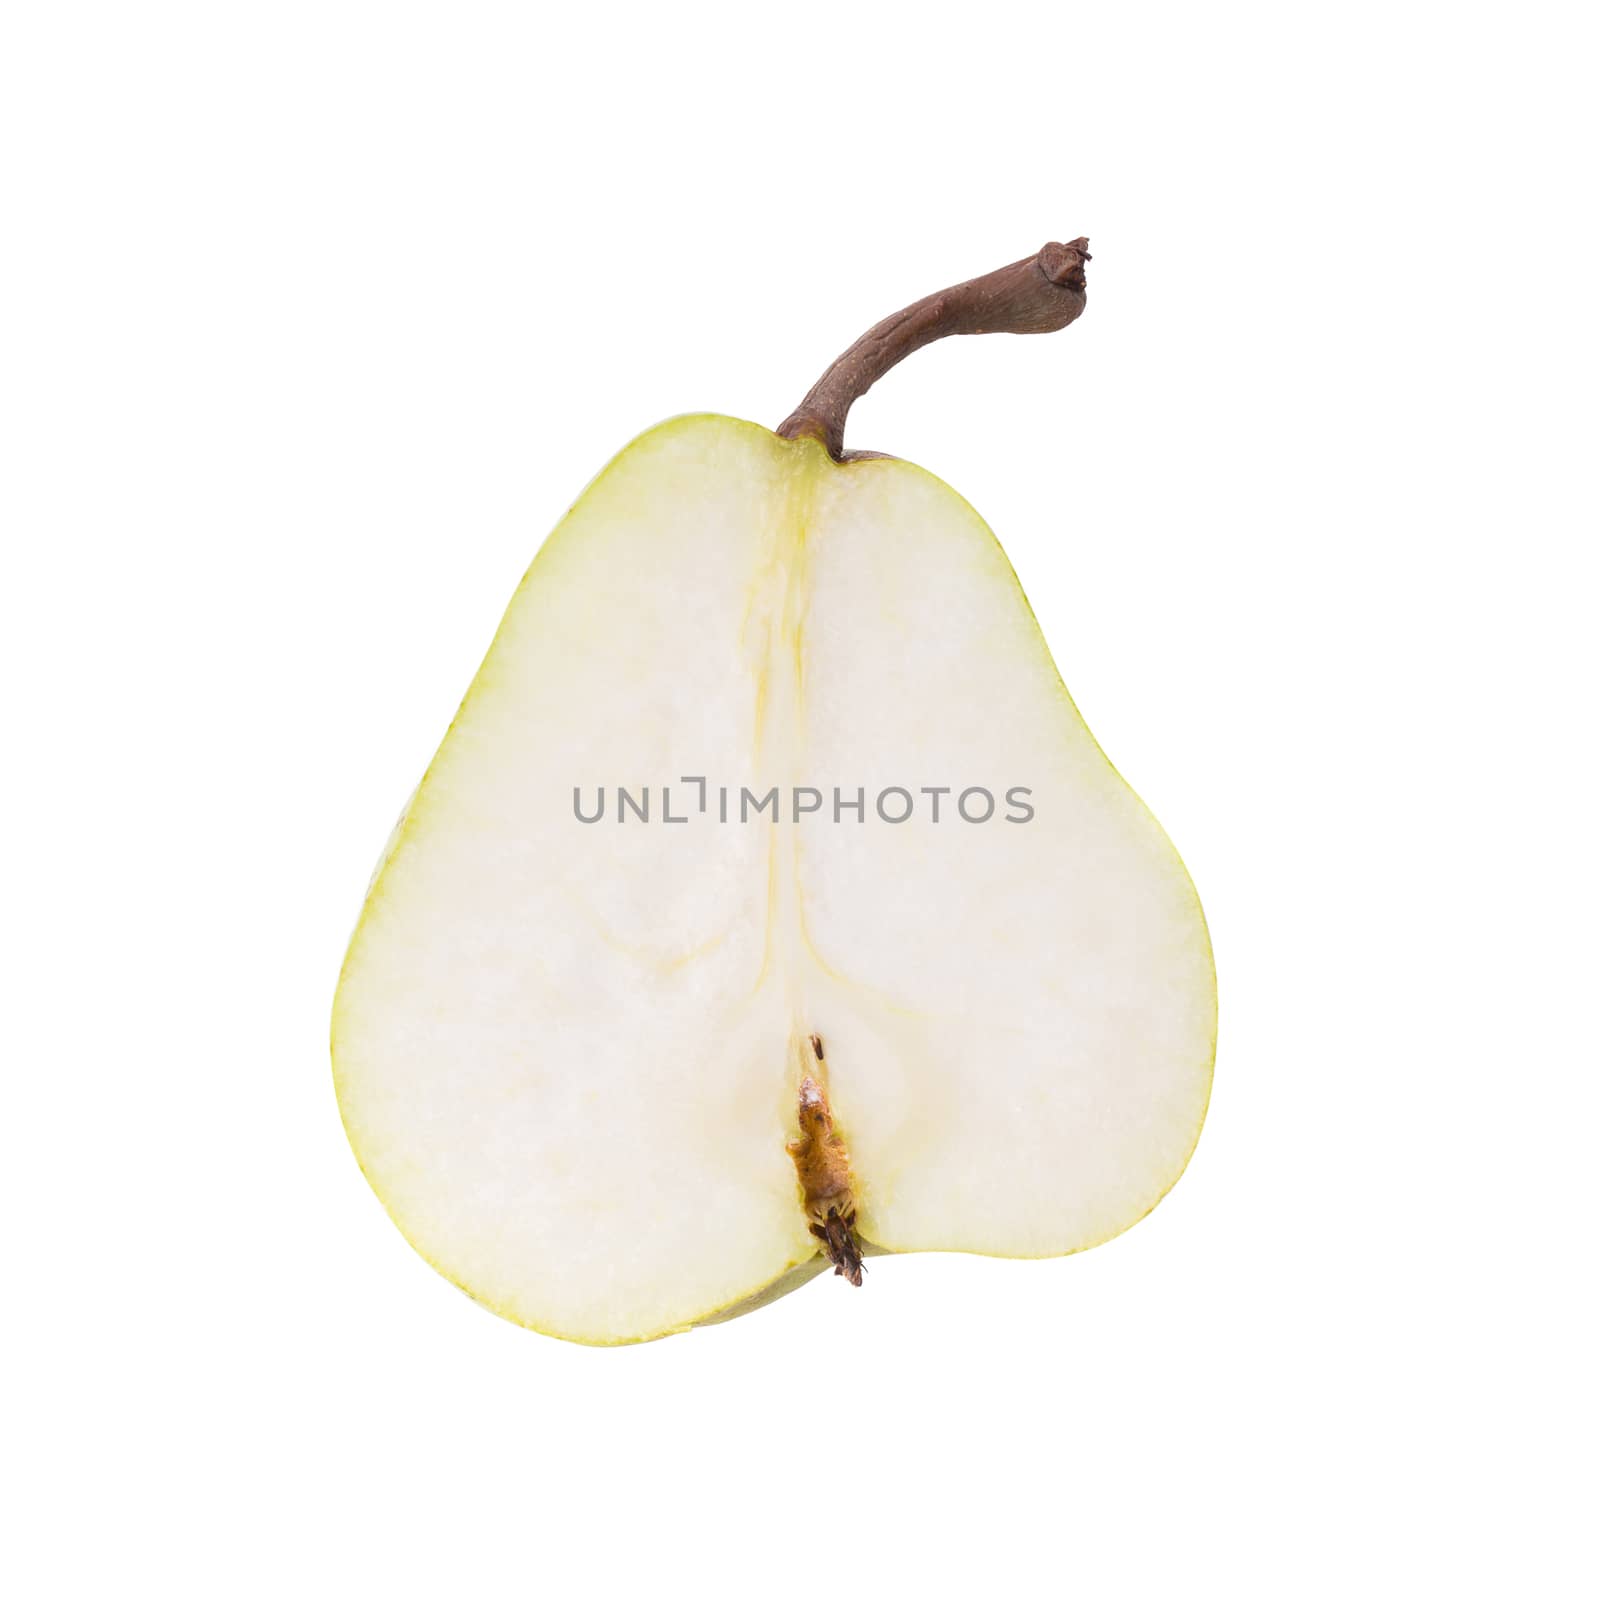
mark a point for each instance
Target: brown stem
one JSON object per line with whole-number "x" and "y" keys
{"x": 1036, "y": 295}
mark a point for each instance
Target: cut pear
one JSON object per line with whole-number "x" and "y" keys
{"x": 569, "y": 1053}
{"x": 768, "y": 899}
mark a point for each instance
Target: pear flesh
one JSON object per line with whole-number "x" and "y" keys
{"x": 569, "y": 1053}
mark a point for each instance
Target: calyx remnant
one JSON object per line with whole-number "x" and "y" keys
{"x": 823, "y": 1165}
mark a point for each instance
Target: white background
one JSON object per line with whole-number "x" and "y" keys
{"x": 316, "y": 318}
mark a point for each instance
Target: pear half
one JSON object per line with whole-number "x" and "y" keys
{"x": 571, "y": 1054}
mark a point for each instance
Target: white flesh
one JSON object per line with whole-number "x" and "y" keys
{"x": 568, "y": 1054}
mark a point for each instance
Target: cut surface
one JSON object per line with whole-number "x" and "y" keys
{"x": 568, "y": 1053}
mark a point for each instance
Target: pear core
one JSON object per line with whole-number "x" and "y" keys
{"x": 570, "y": 1054}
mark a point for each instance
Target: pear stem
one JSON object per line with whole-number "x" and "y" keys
{"x": 1038, "y": 294}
